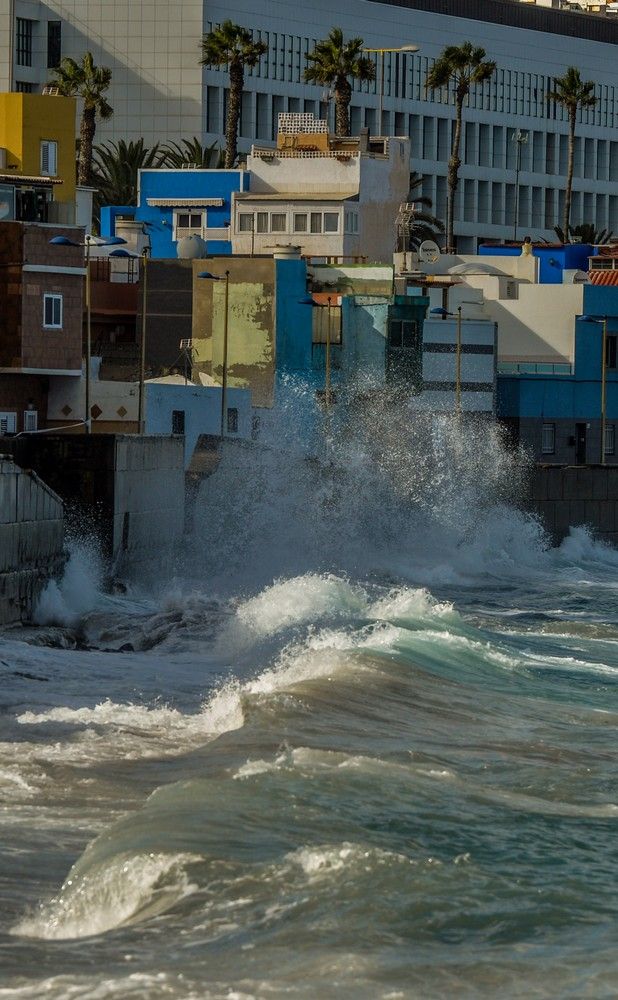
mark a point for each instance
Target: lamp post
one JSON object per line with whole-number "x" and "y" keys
{"x": 64, "y": 241}
{"x": 521, "y": 138}
{"x": 217, "y": 277}
{"x": 401, "y": 48}
{"x": 602, "y": 321}
{"x": 141, "y": 423}
{"x": 440, "y": 311}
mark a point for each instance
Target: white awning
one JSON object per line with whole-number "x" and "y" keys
{"x": 185, "y": 202}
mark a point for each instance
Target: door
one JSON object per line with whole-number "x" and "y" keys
{"x": 580, "y": 444}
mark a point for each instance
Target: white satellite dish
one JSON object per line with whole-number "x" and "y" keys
{"x": 429, "y": 252}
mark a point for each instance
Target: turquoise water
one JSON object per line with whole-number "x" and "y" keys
{"x": 392, "y": 782}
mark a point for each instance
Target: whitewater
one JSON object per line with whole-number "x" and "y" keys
{"x": 361, "y": 743}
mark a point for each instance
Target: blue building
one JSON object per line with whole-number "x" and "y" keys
{"x": 558, "y": 416}
{"x": 173, "y": 204}
{"x": 554, "y": 259}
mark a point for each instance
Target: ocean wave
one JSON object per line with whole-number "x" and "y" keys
{"x": 125, "y": 889}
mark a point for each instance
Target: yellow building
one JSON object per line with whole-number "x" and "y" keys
{"x": 37, "y": 155}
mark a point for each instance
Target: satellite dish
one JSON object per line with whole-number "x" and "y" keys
{"x": 429, "y": 252}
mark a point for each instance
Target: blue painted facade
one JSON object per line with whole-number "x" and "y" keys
{"x": 187, "y": 185}
{"x": 553, "y": 260}
{"x": 570, "y": 402}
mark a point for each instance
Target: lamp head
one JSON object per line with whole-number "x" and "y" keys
{"x": 207, "y": 274}
{"x": 122, "y": 253}
{"x": 440, "y": 311}
{"x": 63, "y": 241}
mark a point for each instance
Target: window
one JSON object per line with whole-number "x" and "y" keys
{"x": 278, "y": 222}
{"x": 245, "y": 222}
{"x": 31, "y": 420}
{"x": 262, "y": 222}
{"x": 188, "y": 223}
{"x": 403, "y": 334}
{"x": 610, "y": 350}
{"x": 178, "y": 421}
{"x": 300, "y": 223}
{"x": 351, "y": 222}
{"x": 23, "y": 87}
{"x": 316, "y": 222}
{"x": 548, "y": 439}
{"x": 331, "y": 222}
{"x": 232, "y": 420}
{"x": 49, "y": 157}
{"x": 54, "y": 44}
{"x": 610, "y": 439}
{"x": 52, "y": 312}
{"x": 24, "y": 42}
{"x": 8, "y": 423}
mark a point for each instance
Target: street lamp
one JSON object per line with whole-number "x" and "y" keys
{"x": 308, "y": 300}
{"x": 440, "y": 311}
{"x": 401, "y": 48}
{"x": 602, "y": 321}
{"x": 141, "y": 423}
{"x": 521, "y": 138}
{"x": 64, "y": 241}
{"x": 217, "y": 277}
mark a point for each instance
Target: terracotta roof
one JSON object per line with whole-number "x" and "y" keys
{"x": 27, "y": 179}
{"x": 604, "y": 277}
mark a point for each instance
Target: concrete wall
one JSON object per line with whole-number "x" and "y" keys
{"x": 126, "y": 490}
{"x": 31, "y": 540}
{"x": 148, "y": 504}
{"x": 565, "y": 496}
{"x": 539, "y": 325}
{"x": 478, "y": 364}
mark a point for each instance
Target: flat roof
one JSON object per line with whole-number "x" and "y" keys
{"x": 297, "y": 196}
{"x": 18, "y": 179}
{"x": 596, "y": 28}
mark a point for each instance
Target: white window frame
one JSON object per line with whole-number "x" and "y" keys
{"x": 56, "y": 304}
{"x": 300, "y": 215}
{"x": 337, "y": 216}
{"x": 246, "y": 215}
{"x": 284, "y": 216}
{"x": 8, "y": 422}
{"x": 548, "y": 439}
{"x": 49, "y": 158}
{"x": 181, "y": 231}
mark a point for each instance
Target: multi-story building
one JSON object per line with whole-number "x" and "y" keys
{"x": 159, "y": 90}
{"x": 41, "y": 289}
{"x": 329, "y": 196}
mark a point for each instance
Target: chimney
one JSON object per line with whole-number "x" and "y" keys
{"x": 363, "y": 140}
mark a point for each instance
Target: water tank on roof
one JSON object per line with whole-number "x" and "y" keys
{"x": 191, "y": 248}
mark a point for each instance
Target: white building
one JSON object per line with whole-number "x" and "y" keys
{"x": 330, "y": 197}
{"x": 160, "y": 92}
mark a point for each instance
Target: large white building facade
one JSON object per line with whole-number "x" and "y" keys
{"x": 161, "y": 92}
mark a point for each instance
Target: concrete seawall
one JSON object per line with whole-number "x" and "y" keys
{"x": 31, "y": 540}
{"x": 565, "y": 496}
{"x": 127, "y": 491}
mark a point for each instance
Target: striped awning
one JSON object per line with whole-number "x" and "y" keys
{"x": 604, "y": 277}
{"x": 185, "y": 202}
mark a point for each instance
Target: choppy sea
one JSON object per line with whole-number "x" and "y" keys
{"x": 363, "y": 745}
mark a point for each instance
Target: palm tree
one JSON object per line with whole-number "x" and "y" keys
{"x": 457, "y": 66}
{"x": 191, "y": 153}
{"x": 88, "y": 82}
{"x": 333, "y": 62}
{"x": 572, "y": 93}
{"x": 423, "y": 225}
{"x": 232, "y": 46}
{"x": 586, "y": 232}
{"x": 116, "y": 167}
